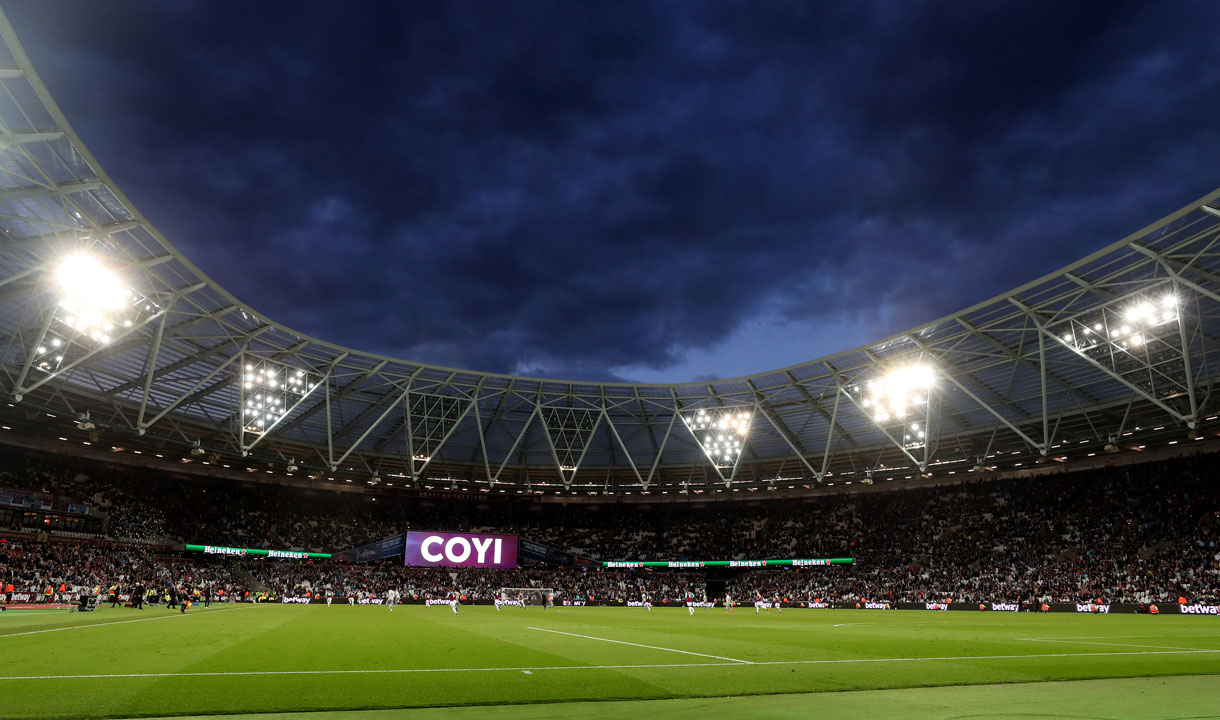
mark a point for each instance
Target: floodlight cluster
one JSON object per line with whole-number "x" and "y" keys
{"x": 898, "y": 393}
{"x": 269, "y": 391}
{"x": 94, "y": 307}
{"x": 1126, "y": 329}
{"x": 900, "y": 402}
{"x": 721, "y": 432}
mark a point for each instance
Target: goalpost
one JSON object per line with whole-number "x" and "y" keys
{"x": 530, "y": 596}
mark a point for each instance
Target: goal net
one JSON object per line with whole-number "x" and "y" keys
{"x": 537, "y": 597}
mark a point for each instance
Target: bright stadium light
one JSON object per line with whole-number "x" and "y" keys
{"x": 900, "y": 402}
{"x": 95, "y": 308}
{"x": 269, "y": 391}
{"x": 1138, "y": 338}
{"x": 91, "y": 296}
{"x": 89, "y": 289}
{"x": 899, "y": 392}
{"x": 721, "y": 432}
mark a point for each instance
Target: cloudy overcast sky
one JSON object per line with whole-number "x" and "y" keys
{"x": 624, "y": 190}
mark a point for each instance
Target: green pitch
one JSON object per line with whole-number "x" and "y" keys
{"x": 275, "y": 658}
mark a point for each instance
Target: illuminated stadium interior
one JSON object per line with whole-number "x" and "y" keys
{"x": 113, "y": 338}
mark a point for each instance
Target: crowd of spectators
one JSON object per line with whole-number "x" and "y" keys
{"x": 1132, "y": 534}
{"x": 32, "y": 567}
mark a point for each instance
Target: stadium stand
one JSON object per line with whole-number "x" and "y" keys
{"x": 1135, "y": 534}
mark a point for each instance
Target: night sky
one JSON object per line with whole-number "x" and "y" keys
{"x": 623, "y": 190}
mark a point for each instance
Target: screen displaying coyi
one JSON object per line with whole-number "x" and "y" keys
{"x": 461, "y": 550}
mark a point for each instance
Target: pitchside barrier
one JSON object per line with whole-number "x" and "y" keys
{"x": 1167, "y": 608}
{"x": 1093, "y": 608}
{"x": 71, "y": 598}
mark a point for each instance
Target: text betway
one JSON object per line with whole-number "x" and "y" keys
{"x": 1090, "y": 607}
{"x": 1199, "y": 609}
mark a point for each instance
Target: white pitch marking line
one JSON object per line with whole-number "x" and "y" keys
{"x": 202, "y": 611}
{"x": 1125, "y": 636}
{"x": 602, "y": 667}
{"x": 1075, "y": 641}
{"x": 650, "y": 647}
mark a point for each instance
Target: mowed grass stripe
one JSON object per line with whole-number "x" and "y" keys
{"x": 1164, "y": 698}
{"x": 292, "y": 658}
{"x": 639, "y": 645}
{"x": 101, "y": 623}
{"x": 1023, "y": 656}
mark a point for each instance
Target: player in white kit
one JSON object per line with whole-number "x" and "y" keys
{"x": 453, "y": 601}
{"x": 728, "y": 603}
{"x": 391, "y": 598}
{"x": 647, "y": 602}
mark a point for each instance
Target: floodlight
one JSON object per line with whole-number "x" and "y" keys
{"x": 899, "y": 389}
{"x": 269, "y": 390}
{"x": 900, "y": 402}
{"x": 721, "y": 432}
{"x": 89, "y": 288}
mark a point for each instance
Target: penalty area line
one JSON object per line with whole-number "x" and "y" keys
{"x": 639, "y": 645}
{"x": 531, "y": 670}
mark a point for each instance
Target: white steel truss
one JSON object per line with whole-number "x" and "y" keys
{"x": 1028, "y": 372}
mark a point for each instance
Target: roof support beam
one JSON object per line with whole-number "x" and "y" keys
{"x": 1102, "y": 368}
{"x": 34, "y": 192}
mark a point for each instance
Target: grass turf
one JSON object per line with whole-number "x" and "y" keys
{"x": 247, "y": 659}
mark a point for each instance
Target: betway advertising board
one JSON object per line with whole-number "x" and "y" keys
{"x": 475, "y": 550}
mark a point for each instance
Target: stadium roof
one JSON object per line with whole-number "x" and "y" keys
{"x": 1105, "y": 351}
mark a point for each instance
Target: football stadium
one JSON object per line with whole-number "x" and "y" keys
{"x": 1010, "y": 511}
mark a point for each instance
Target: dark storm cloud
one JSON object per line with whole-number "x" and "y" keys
{"x": 579, "y": 189}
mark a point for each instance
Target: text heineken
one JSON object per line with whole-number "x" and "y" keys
{"x": 726, "y": 563}
{"x": 255, "y": 552}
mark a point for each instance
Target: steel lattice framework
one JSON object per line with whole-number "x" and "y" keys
{"x": 1123, "y": 341}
